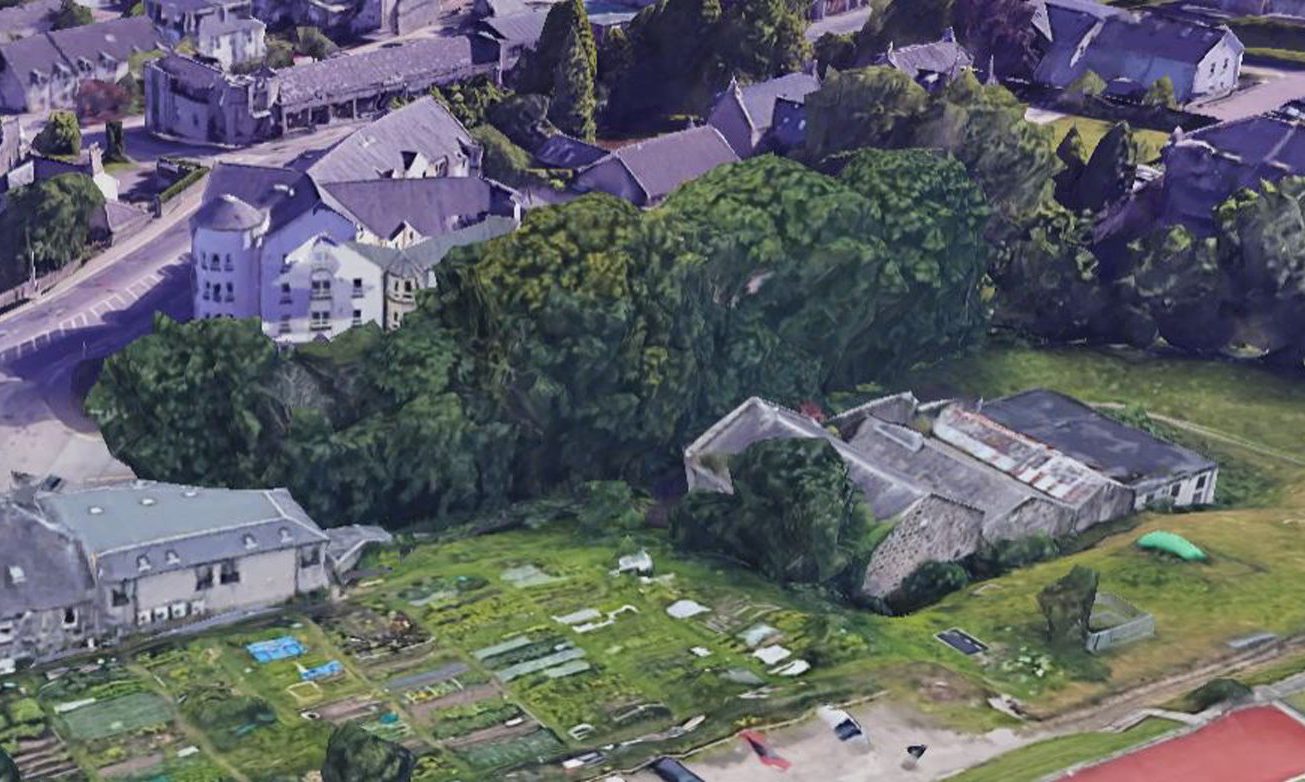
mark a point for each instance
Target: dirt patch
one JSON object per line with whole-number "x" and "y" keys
{"x": 496, "y": 733}
{"x": 479, "y": 692}
{"x": 131, "y": 766}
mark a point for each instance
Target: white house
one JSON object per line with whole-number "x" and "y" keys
{"x": 231, "y": 40}
{"x": 323, "y": 288}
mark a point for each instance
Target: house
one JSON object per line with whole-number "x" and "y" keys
{"x": 47, "y": 598}
{"x": 952, "y": 477}
{"x": 25, "y": 20}
{"x": 513, "y": 34}
{"x": 95, "y": 565}
{"x": 231, "y": 40}
{"x": 187, "y": 99}
{"x": 563, "y": 151}
{"x": 932, "y": 65}
{"x": 1205, "y": 167}
{"x": 420, "y": 139}
{"x": 180, "y": 19}
{"x": 1156, "y": 471}
{"x": 1130, "y": 51}
{"x": 645, "y": 172}
{"x": 745, "y": 115}
{"x": 45, "y": 71}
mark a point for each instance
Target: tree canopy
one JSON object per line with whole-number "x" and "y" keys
{"x": 354, "y": 755}
{"x": 61, "y": 135}
{"x": 47, "y": 224}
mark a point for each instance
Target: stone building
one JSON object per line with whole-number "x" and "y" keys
{"x": 94, "y": 565}
{"x": 645, "y": 172}
{"x": 952, "y": 476}
{"x": 45, "y": 71}
{"x": 746, "y": 115}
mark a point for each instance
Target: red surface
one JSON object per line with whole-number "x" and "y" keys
{"x": 1260, "y": 744}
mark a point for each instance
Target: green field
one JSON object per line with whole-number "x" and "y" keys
{"x": 1036, "y": 761}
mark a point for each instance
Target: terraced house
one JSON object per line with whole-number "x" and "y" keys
{"x": 91, "y": 566}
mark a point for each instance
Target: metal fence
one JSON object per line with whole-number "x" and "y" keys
{"x": 1120, "y": 622}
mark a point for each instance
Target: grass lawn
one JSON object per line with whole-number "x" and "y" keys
{"x": 1149, "y": 142}
{"x": 1031, "y": 763}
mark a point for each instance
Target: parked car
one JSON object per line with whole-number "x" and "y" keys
{"x": 844, "y": 725}
{"x": 673, "y": 770}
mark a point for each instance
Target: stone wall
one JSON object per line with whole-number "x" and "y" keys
{"x": 932, "y": 529}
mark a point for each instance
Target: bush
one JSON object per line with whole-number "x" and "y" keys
{"x": 506, "y": 162}
{"x": 60, "y": 136}
{"x": 1066, "y": 606}
{"x": 1217, "y": 691}
{"x": 70, "y": 14}
{"x": 1003, "y": 556}
{"x": 930, "y": 582}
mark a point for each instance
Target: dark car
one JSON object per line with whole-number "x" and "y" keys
{"x": 673, "y": 770}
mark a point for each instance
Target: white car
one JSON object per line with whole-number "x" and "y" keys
{"x": 844, "y": 725}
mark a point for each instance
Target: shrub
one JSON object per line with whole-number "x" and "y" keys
{"x": 60, "y": 136}
{"x": 1217, "y": 691}
{"x": 928, "y": 584}
{"x": 1066, "y": 606}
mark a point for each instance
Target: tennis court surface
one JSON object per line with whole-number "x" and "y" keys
{"x": 1258, "y": 744}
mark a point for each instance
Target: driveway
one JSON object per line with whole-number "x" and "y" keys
{"x": 1278, "y": 87}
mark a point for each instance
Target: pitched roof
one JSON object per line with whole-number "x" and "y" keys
{"x": 432, "y": 206}
{"x": 663, "y": 163}
{"x": 378, "y": 149}
{"x": 42, "y": 568}
{"x": 26, "y": 19}
{"x": 522, "y": 27}
{"x": 945, "y": 57}
{"x": 157, "y": 527}
{"x": 416, "y": 261}
{"x": 358, "y": 74}
{"x": 563, "y": 151}
{"x": 759, "y": 99}
{"x": 1124, "y": 453}
{"x": 283, "y": 193}
{"x": 61, "y": 49}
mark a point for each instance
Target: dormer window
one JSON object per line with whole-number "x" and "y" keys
{"x": 285, "y": 535}
{"x": 250, "y": 542}
{"x": 142, "y": 563}
{"x": 16, "y": 575}
{"x": 173, "y": 557}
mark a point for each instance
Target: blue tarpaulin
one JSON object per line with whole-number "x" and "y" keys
{"x": 276, "y": 649}
{"x": 333, "y": 668}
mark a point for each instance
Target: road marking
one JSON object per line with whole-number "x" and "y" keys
{"x": 96, "y": 308}
{"x": 67, "y": 324}
{"x": 81, "y": 320}
{"x": 118, "y": 298}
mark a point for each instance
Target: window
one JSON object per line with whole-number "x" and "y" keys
{"x": 249, "y": 541}
{"x": 321, "y": 321}
{"x": 172, "y": 557}
{"x": 203, "y": 578}
{"x": 284, "y": 535}
{"x": 196, "y": 606}
{"x": 231, "y": 292}
{"x": 143, "y": 617}
{"x": 161, "y": 614}
{"x": 228, "y": 262}
{"x": 177, "y": 610}
{"x": 142, "y": 563}
{"x": 118, "y": 596}
{"x": 310, "y": 556}
{"x": 70, "y": 617}
{"x": 6, "y": 632}
{"x": 285, "y": 293}
{"x": 1173, "y": 490}
{"x": 407, "y": 286}
{"x": 321, "y": 285}
{"x": 16, "y": 575}
{"x": 284, "y": 326}
{"x": 357, "y": 287}
{"x": 207, "y": 287}
{"x": 357, "y": 317}
{"x": 1200, "y": 482}
{"x": 228, "y": 573}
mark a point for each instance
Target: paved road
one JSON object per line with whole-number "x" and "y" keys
{"x": 1278, "y": 87}
{"x": 840, "y": 24}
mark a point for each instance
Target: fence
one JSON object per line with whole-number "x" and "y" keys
{"x": 1120, "y": 622}
{"x": 33, "y": 288}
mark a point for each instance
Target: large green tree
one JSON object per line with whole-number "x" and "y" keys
{"x": 761, "y": 39}
{"x": 998, "y": 32}
{"x": 47, "y": 225}
{"x": 573, "y": 104}
{"x": 61, "y": 135}
{"x": 536, "y": 71}
{"x": 869, "y": 107}
{"x": 354, "y": 755}
{"x": 794, "y": 514}
{"x": 668, "y": 50}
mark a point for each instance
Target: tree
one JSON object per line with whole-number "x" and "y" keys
{"x": 1000, "y": 32}
{"x": 523, "y": 119}
{"x": 312, "y": 42}
{"x": 794, "y": 513}
{"x": 70, "y": 14}
{"x": 47, "y": 225}
{"x": 671, "y": 45}
{"x": 1160, "y": 94}
{"x": 902, "y": 23}
{"x": 190, "y": 403}
{"x": 1066, "y": 606}
{"x": 536, "y": 73}
{"x": 354, "y": 755}
{"x": 471, "y": 100}
{"x": 1073, "y": 159}
{"x": 1088, "y": 85}
{"x": 759, "y": 40}
{"x": 572, "y": 108}
{"x": 60, "y": 136}
{"x": 870, "y": 107}
{"x": 8, "y": 768}
{"x": 502, "y": 160}
{"x": 607, "y": 507}
{"x": 835, "y": 51}
{"x": 116, "y": 149}
{"x": 1108, "y": 175}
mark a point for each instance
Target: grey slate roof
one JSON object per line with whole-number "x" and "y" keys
{"x": 284, "y": 193}
{"x": 431, "y": 206}
{"x": 1122, "y": 452}
{"x": 176, "y": 527}
{"x": 228, "y": 213}
{"x": 26, "y": 19}
{"x": 51, "y": 571}
{"x": 522, "y": 28}
{"x": 61, "y": 49}
{"x": 946, "y": 58}
{"x": 377, "y": 149}
{"x": 415, "y": 262}
{"x": 366, "y": 73}
{"x": 661, "y": 164}
{"x": 759, "y": 99}
{"x": 563, "y": 151}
